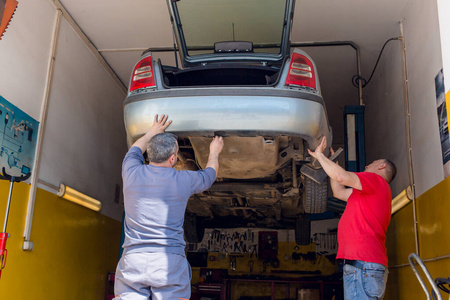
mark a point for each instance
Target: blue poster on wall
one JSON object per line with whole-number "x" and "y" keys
{"x": 18, "y": 135}
{"x": 443, "y": 120}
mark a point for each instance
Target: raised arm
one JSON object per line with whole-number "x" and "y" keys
{"x": 339, "y": 191}
{"x": 340, "y": 178}
{"x": 215, "y": 148}
{"x": 158, "y": 127}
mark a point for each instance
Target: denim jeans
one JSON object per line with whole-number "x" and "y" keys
{"x": 365, "y": 281}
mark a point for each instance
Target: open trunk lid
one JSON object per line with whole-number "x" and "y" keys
{"x": 232, "y": 30}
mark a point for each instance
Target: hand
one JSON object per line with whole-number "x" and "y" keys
{"x": 215, "y": 148}
{"x": 216, "y": 145}
{"x": 319, "y": 150}
{"x": 160, "y": 125}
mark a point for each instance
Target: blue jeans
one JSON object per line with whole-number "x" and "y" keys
{"x": 364, "y": 280}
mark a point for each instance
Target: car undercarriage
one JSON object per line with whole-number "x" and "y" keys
{"x": 259, "y": 183}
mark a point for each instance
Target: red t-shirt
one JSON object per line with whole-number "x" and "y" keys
{"x": 363, "y": 225}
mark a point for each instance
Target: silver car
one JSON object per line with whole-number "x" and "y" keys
{"x": 239, "y": 79}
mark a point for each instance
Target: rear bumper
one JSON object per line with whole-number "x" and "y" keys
{"x": 243, "y": 112}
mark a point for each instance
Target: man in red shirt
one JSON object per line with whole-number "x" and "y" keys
{"x": 363, "y": 225}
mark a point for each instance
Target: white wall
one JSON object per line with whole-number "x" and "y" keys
{"x": 24, "y": 55}
{"x": 385, "y": 109}
{"x": 424, "y": 61}
{"x": 385, "y": 115}
{"x": 84, "y": 140}
{"x": 85, "y": 137}
{"x": 444, "y": 24}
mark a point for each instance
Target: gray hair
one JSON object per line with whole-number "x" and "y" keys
{"x": 161, "y": 147}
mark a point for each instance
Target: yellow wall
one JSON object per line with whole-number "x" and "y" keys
{"x": 433, "y": 208}
{"x": 74, "y": 248}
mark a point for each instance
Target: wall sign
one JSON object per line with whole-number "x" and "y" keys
{"x": 18, "y": 135}
{"x": 232, "y": 241}
{"x": 443, "y": 121}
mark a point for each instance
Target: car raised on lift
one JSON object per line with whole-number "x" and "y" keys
{"x": 239, "y": 79}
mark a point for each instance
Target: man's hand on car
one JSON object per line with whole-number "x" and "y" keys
{"x": 319, "y": 149}
{"x": 160, "y": 125}
{"x": 215, "y": 148}
{"x": 216, "y": 145}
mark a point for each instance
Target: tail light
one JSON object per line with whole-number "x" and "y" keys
{"x": 142, "y": 76}
{"x": 301, "y": 71}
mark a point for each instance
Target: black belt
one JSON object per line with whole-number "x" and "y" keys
{"x": 355, "y": 263}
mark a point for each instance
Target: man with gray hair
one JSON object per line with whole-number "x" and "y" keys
{"x": 153, "y": 264}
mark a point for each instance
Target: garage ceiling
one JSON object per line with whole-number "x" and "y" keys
{"x": 120, "y": 30}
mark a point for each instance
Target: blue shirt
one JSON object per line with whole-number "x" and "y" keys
{"x": 155, "y": 203}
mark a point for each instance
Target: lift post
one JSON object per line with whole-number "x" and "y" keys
{"x": 355, "y": 146}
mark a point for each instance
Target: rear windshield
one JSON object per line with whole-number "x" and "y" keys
{"x": 205, "y": 22}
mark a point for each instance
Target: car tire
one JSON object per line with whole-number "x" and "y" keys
{"x": 193, "y": 229}
{"x": 315, "y": 196}
{"x": 302, "y": 231}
